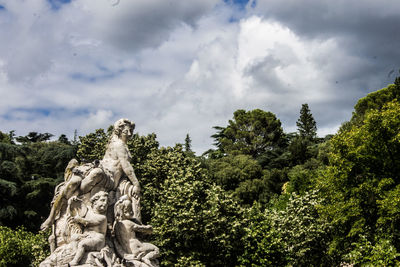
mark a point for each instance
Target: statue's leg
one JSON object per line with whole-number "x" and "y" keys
{"x": 91, "y": 180}
{"x": 83, "y": 246}
{"x": 154, "y": 253}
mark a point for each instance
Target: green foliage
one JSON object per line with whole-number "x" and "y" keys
{"x": 244, "y": 177}
{"x": 302, "y": 178}
{"x": 274, "y": 179}
{"x": 294, "y": 235}
{"x": 192, "y": 218}
{"x": 34, "y": 137}
{"x": 250, "y": 132}
{"x": 262, "y": 243}
{"x": 37, "y": 195}
{"x": 304, "y": 233}
{"x": 306, "y": 124}
{"x": 375, "y": 101}
{"x": 230, "y": 171}
{"x": 22, "y": 248}
{"x": 367, "y": 253}
{"x": 28, "y": 174}
{"x": 188, "y": 143}
{"x": 48, "y": 159}
{"x": 6, "y": 138}
{"x": 363, "y": 177}
{"x": 92, "y": 146}
{"x": 63, "y": 139}
{"x": 140, "y": 148}
{"x": 303, "y": 146}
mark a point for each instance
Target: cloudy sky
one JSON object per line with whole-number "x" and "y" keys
{"x": 177, "y": 66}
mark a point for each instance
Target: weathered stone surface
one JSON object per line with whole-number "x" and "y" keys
{"x": 95, "y": 214}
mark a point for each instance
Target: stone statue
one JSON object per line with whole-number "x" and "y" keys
{"x": 127, "y": 244}
{"x": 95, "y": 212}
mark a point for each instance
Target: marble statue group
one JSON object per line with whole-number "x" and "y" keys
{"x": 95, "y": 215}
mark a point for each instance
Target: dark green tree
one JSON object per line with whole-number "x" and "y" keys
{"x": 34, "y": 137}
{"x": 188, "y": 143}
{"x": 253, "y": 133}
{"x": 28, "y": 174}
{"x": 7, "y": 138}
{"x": 306, "y": 124}
{"x": 63, "y": 139}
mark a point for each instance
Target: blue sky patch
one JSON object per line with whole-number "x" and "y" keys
{"x": 57, "y": 4}
{"x": 95, "y": 78}
{"x": 239, "y": 3}
{"x": 2, "y": 8}
{"x": 26, "y": 113}
{"x": 35, "y": 113}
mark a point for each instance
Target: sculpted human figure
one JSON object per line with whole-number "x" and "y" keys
{"x": 83, "y": 225}
{"x": 94, "y": 225}
{"x": 103, "y": 175}
{"x": 127, "y": 244}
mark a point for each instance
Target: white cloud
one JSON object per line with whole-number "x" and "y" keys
{"x": 98, "y": 119}
{"x": 174, "y": 67}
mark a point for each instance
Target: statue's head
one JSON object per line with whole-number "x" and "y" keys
{"x": 123, "y": 208}
{"x": 121, "y": 125}
{"x": 99, "y": 201}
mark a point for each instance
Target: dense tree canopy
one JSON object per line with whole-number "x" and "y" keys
{"x": 253, "y": 133}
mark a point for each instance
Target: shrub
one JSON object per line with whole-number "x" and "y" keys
{"x": 22, "y": 248}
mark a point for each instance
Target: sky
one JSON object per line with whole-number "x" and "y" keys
{"x": 178, "y": 67}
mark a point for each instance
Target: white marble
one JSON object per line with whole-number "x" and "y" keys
{"x": 95, "y": 212}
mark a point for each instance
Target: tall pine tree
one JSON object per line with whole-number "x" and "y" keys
{"x": 188, "y": 143}
{"x": 306, "y": 124}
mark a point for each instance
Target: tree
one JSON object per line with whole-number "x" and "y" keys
{"x": 192, "y": 218}
{"x": 230, "y": 171}
{"x": 92, "y": 146}
{"x": 302, "y": 145}
{"x": 262, "y": 243}
{"x": 253, "y": 133}
{"x": 304, "y": 234}
{"x": 75, "y": 141}
{"x": 306, "y": 124}
{"x": 243, "y": 176}
{"x": 363, "y": 180}
{"x": 295, "y": 235}
{"x": 63, "y": 139}
{"x": 28, "y": 174}
{"x": 7, "y": 138}
{"x": 34, "y": 137}
{"x": 375, "y": 100}
{"x": 12, "y": 162}
{"x": 188, "y": 143}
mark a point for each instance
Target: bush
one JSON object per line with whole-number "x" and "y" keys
{"x": 22, "y": 248}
